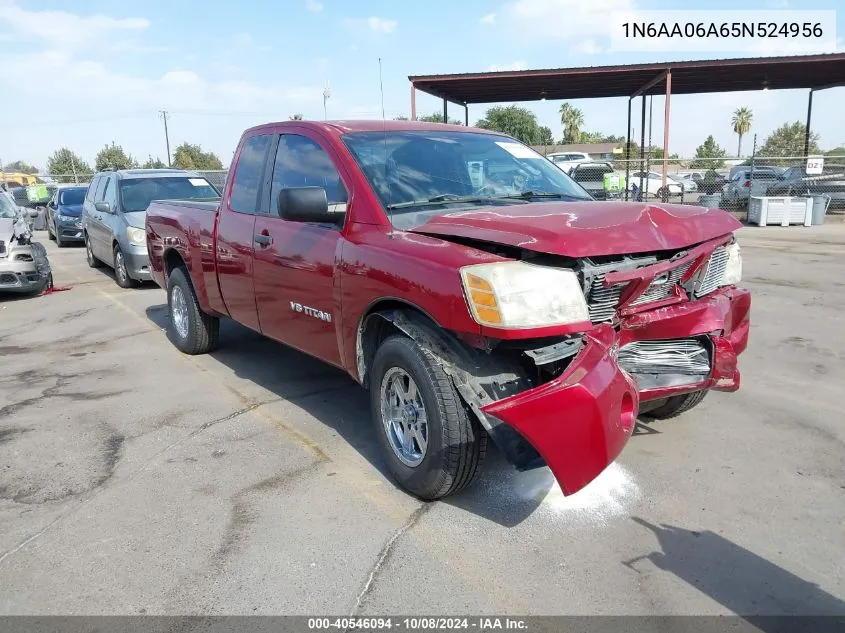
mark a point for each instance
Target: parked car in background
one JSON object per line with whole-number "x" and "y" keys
{"x": 567, "y": 160}
{"x": 591, "y": 176}
{"x": 687, "y": 182}
{"x": 113, "y": 216}
{"x": 537, "y": 318}
{"x": 64, "y": 214}
{"x": 745, "y": 167}
{"x": 652, "y": 183}
{"x": 738, "y": 190}
{"x": 24, "y": 267}
{"x": 795, "y": 181}
{"x": 711, "y": 182}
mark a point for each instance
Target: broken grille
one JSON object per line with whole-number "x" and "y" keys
{"x": 674, "y": 356}
{"x": 662, "y": 286}
{"x": 714, "y": 271}
{"x": 603, "y": 301}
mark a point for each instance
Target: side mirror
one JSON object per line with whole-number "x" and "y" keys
{"x": 305, "y": 204}
{"x": 102, "y": 207}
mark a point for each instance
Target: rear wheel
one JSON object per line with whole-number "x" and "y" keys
{"x": 676, "y": 405}
{"x": 121, "y": 274}
{"x": 432, "y": 446}
{"x": 93, "y": 262}
{"x": 191, "y": 330}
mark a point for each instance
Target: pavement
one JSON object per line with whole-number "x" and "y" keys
{"x": 134, "y": 479}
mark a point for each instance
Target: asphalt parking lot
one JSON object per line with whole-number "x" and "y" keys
{"x": 134, "y": 479}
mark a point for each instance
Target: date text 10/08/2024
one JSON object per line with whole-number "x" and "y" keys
{"x": 417, "y": 624}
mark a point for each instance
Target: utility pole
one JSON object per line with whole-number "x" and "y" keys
{"x": 73, "y": 167}
{"x": 326, "y": 94}
{"x": 166, "y": 136}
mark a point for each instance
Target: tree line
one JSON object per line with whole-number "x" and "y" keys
{"x": 68, "y": 166}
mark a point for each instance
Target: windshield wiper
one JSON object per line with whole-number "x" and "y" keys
{"x": 445, "y": 198}
{"x": 528, "y": 195}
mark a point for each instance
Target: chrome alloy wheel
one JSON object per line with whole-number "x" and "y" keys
{"x": 403, "y": 416}
{"x": 179, "y": 312}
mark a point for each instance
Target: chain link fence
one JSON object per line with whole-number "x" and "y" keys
{"x": 725, "y": 184}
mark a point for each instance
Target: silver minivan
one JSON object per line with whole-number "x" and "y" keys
{"x": 114, "y": 210}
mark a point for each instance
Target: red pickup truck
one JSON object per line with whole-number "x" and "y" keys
{"x": 474, "y": 288}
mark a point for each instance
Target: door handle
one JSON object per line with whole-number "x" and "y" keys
{"x": 263, "y": 240}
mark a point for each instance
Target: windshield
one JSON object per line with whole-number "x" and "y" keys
{"x": 418, "y": 175}
{"x": 137, "y": 193}
{"x": 72, "y": 196}
{"x": 8, "y": 209}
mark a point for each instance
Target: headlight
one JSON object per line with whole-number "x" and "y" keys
{"x": 520, "y": 295}
{"x": 733, "y": 269}
{"x": 137, "y": 237}
{"x": 68, "y": 219}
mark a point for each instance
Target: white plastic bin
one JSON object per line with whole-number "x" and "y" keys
{"x": 780, "y": 210}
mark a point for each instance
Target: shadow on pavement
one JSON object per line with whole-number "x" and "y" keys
{"x": 738, "y": 579}
{"x": 501, "y": 494}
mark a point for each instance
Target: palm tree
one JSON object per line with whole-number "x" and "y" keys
{"x": 572, "y": 120}
{"x": 741, "y": 122}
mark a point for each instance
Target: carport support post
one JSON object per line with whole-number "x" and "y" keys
{"x": 466, "y": 115}
{"x": 642, "y": 152}
{"x": 807, "y": 129}
{"x": 666, "y": 132}
{"x": 445, "y": 111}
{"x": 628, "y": 152}
{"x": 413, "y": 102}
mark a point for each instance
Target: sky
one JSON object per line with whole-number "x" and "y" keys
{"x": 87, "y": 73}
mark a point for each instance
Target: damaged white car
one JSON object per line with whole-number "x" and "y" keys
{"x": 24, "y": 267}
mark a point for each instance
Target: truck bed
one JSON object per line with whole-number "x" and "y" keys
{"x": 186, "y": 227}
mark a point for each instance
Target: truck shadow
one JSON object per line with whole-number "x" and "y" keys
{"x": 500, "y": 494}
{"x": 741, "y": 581}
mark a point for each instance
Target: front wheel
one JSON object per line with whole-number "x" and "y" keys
{"x": 93, "y": 262}
{"x": 191, "y": 330}
{"x": 121, "y": 274}
{"x": 432, "y": 447}
{"x": 676, "y": 405}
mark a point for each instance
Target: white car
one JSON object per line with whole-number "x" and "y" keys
{"x": 652, "y": 183}
{"x": 568, "y": 160}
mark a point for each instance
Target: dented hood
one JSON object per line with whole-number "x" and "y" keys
{"x": 586, "y": 229}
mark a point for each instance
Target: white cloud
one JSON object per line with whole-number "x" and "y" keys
{"x": 520, "y": 65}
{"x": 313, "y": 6}
{"x": 242, "y": 39}
{"x": 490, "y": 18}
{"x": 373, "y": 23}
{"x": 588, "y": 47}
{"x": 572, "y": 21}
{"x": 136, "y": 46}
{"x": 62, "y": 28}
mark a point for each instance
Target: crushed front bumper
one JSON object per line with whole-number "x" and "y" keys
{"x": 24, "y": 268}
{"x": 580, "y": 421}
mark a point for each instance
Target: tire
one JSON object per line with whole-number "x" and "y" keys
{"x": 121, "y": 275}
{"x": 455, "y": 442}
{"x": 199, "y": 333}
{"x": 676, "y": 405}
{"x": 59, "y": 241}
{"x": 93, "y": 262}
{"x": 49, "y": 232}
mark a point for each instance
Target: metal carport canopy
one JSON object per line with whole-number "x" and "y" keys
{"x": 688, "y": 77}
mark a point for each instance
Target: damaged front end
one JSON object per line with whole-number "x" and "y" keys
{"x": 24, "y": 267}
